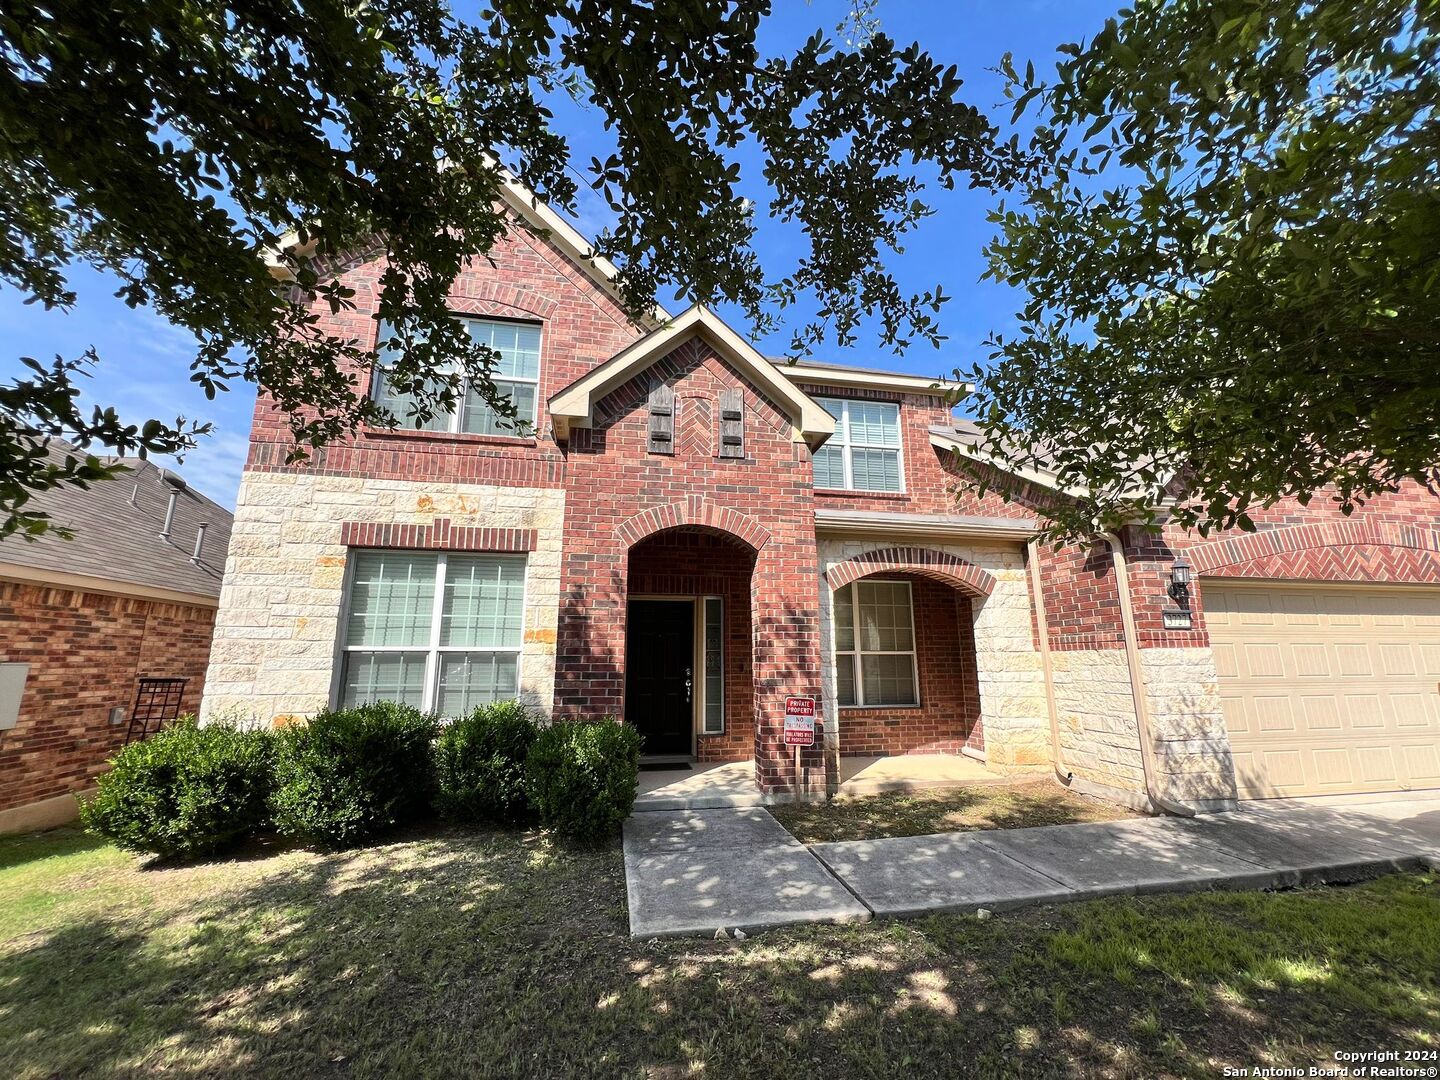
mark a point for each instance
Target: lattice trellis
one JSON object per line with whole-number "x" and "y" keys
{"x": 157, "y": 703}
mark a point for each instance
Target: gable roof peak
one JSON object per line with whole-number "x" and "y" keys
{"x": 574, "y": 406}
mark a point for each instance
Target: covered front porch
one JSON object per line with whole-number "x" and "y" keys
{"x": 710, "y": 785}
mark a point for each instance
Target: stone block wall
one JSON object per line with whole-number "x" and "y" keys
{"x": 86, "y": 651}
{"x": 276, "y": 632}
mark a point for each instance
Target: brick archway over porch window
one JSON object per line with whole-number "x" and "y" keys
{"x": 940, "y": 565}
{"x": 693, "y": 511}
{"x": 1332, "y": 551}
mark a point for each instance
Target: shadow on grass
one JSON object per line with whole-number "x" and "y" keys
{"x": 16, "y": 851}
{"x": 872, "y": 817}
{"x": 497, "y": 954}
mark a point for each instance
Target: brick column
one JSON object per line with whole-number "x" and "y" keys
{"x": 785, "y": 605}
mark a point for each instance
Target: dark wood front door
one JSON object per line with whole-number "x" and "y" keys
{"x": 659, "y": 675}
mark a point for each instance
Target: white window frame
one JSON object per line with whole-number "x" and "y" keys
{"x": 456, "y": 415}
{"x": 702, "y": 681}
{"x": 853, "y": 656}
{"x": 842, "y": 440}
{"x": 433, "y": 650}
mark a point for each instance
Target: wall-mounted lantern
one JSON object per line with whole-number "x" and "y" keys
{"x": 1179, "y": 617}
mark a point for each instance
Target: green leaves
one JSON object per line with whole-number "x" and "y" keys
{"x": 175, "y": 144}
{"x": 1246, "y": 310}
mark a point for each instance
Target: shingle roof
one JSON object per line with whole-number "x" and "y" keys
{"x": 117, "y": 525}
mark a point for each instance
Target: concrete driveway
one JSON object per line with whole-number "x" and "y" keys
{"x": 1419, "y": 813}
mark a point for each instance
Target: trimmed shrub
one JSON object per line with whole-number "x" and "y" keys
{"x": 347, "y": 774}
{"x": 186, "y": 791}
{"x": 480, "y": 764}
{"x": 581, "y": 777}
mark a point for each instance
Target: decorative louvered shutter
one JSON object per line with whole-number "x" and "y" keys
{"x": 732, "y": 424}
{"x": 662, "y": 420}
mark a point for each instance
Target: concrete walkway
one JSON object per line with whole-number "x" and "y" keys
{"x": 696, "y": 871}
{"x": 693, "y": 872}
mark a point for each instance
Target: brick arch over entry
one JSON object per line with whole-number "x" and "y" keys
{"x": 693, "y": 511}
{"x": 1333, "y": 551}
{"x": 940, "y": 565}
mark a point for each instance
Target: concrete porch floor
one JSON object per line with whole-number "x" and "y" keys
{"x": 713, "y": 785}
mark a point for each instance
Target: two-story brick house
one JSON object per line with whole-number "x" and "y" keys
{"x": 696, "y": 532}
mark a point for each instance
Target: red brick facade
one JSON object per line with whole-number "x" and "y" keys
{"x": 86, "y": 652}
{"x": 694, "y": 523}
{"x": 618, "y": 494}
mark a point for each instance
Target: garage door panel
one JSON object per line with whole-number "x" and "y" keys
{"x": 1422, "y": 764}
{"x": 1332, "y": 768}
{"x": 1311, "y": 660}
{"x": 1321, "y": 713}
{"x": 1328, "y": 689}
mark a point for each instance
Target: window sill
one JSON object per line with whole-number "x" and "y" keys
{"x": 879, "y": 708}
{"x": 855, "y": 493}
{"x": 461, "y": 437}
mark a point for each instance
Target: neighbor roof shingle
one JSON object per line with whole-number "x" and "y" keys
{"x": 117, "y": 527}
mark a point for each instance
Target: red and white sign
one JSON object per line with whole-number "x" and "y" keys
{"x": 799, "y": 721}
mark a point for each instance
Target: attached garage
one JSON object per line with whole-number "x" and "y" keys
{"x": 1328, "y": 689}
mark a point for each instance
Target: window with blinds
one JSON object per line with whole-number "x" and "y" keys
{"x": 439, "y": 631}
{"x": 875, "y": 644}
{"x": 516, "y": 376}
{"x": 864, "y": 452}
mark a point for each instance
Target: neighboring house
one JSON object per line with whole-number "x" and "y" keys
{"x": 132, "y": 596}
{"x": 697, "y": 532}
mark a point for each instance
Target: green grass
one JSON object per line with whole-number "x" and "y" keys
{"x": 449, "y": 953}
{"x": 1001, "y": 806}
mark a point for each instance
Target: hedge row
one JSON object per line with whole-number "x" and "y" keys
{"x": 347, "y": 775}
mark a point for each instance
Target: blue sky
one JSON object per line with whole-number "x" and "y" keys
{"x": 144, "y": 369}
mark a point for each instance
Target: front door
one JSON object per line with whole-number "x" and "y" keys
{"x": 659, "y": 675}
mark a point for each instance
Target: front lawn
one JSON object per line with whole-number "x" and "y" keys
{"x": 920, "y": 813}
{"x": 498, "y": 954}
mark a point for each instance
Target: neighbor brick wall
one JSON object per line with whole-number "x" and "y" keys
{"x": 949, "y": 713}
{"x": 86, "y": 652}
{"x": 618, "y": 493}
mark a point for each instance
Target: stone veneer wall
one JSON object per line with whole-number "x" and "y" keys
{"x": 1099, "y": 732}
{"x": 1008, "y": 672}
{"x": 275, "y": 633}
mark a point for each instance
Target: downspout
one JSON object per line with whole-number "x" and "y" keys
{"x": 1137, "y": 681}
{"x": 1042, "y": 626}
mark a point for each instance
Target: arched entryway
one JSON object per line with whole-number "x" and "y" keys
{"x": 689, "y": 682}
{"x": 901, "y": 653}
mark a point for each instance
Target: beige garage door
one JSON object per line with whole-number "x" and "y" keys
{"x": 1328, "y": 690}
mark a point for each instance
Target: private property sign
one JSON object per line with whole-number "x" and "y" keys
{"x": 799, "y": 721}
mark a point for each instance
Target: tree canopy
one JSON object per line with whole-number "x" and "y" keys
{"x": 1232, "y": 262}
{"x": 173, "y": 143}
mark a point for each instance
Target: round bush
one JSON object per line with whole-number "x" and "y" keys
{"x": 581, "y": 777}
{"x": 480, "y": 764}
{"x": 348, "y": 774}
{"x": 186, "y": 791}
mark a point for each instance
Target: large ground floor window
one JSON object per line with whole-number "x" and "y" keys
{"x": 875, "y": 644}
{"x": 439, "y": 631}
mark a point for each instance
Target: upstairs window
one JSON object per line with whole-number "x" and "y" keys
{"x": 516, "y": 375}
{"x": 864, "y": 452}
{"x": 441, "y": 632}
{"x": 875, "y": 644}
